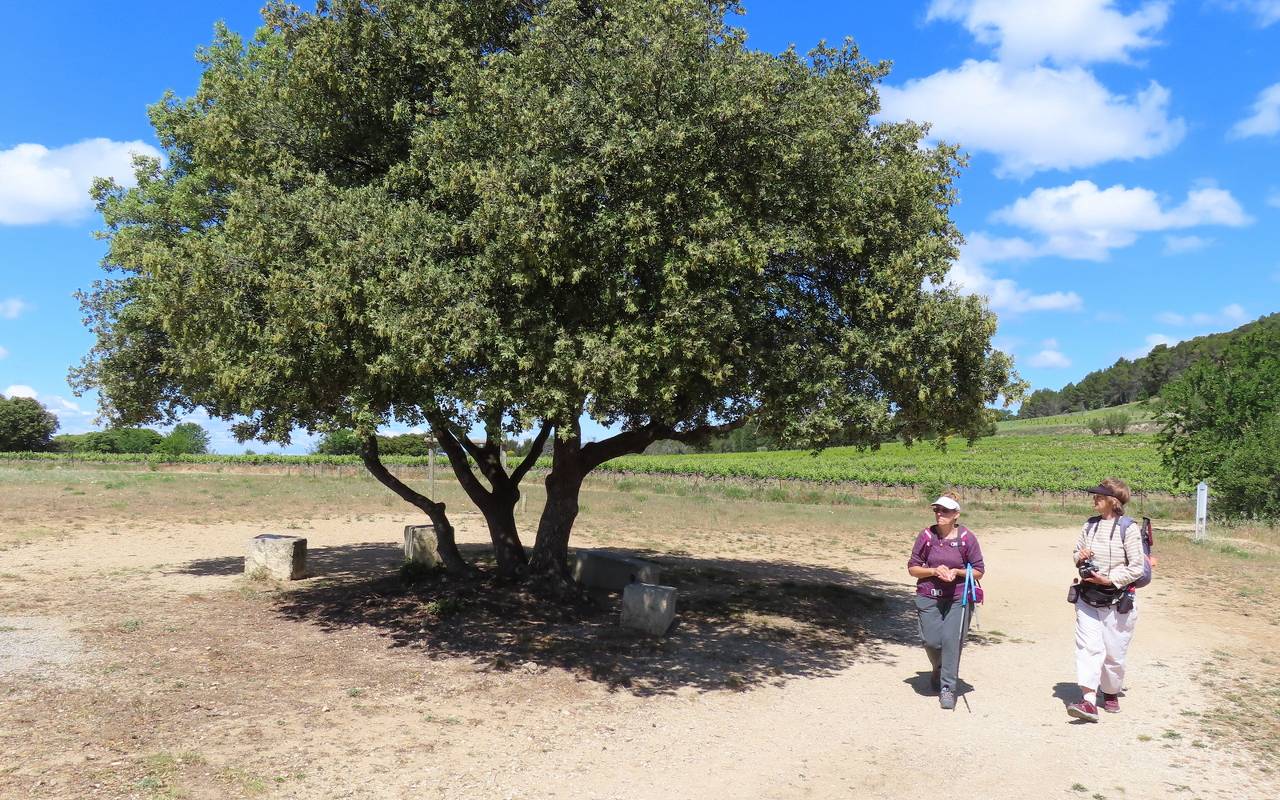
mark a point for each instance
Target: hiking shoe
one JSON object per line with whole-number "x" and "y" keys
{"x": 1111, "y": 703}
{"x": 947, "y": 699}
{"x": 935, "y": 680}
{"x": 1084, "y": 710}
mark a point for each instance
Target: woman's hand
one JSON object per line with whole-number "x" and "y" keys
{"x": 1084, "y": 554}
{"x": 945, "y": 573}
{"x": 1099, "y": 579}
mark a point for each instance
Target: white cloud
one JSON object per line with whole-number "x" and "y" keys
{"x": 1079, "y": 31}
{"x": 1178, "y": 245}
{"x": 1266, "y": 11}
{"x": 1273, "y": 198}
{"x": 1150, "y": 343}
{"x": 12, "y": 308}
{"x": 39, "y": 185}
{"x": 1006, "y": 344}
{"x": 1233, "y": 314}
{"x": 1082, "y": 221}
{"x": 3, "y": 353}
{"x": 20, "y": 390}
{"x": 970, "y": 277}
{"x": 1037, "y": 119}
{"x": 1049, "y": 359}
{"x": 1265, "y": 119}
{"x": 1051, "y": 344}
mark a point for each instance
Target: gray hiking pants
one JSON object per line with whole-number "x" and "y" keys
{"x": 940, "y": 620}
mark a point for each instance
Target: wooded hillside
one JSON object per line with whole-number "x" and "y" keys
{"x": 1127, "y": 381}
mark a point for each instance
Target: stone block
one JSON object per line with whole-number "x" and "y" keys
{"x": 596, "y": 569}
{"x": 648, "y": 608}
{"x": 420, "y": 545}
{"x": 278, "y": 556}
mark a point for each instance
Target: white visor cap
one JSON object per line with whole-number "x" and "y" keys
{"x": 946, "y": 502}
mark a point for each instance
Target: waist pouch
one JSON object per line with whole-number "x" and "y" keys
{"x": 1100, "y": 596}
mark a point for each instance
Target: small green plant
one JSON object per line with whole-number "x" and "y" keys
{"x": 415, "y": 571}
{"x": 444, "y": 607}
{"x": 1096, "y": 425}
{"x": 1171, "y": 735}
{"x": 1142, "y": 737}
{"x": 1079, "y": 787}
{"x": 130, "y": 625}
{"x": 354, "y": 692}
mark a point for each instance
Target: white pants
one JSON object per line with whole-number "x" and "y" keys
{"x": 1102, "y": 640}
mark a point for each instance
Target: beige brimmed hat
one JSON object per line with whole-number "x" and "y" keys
{"x": 946, "y": 502}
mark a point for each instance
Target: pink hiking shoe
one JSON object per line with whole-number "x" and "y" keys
{"x": 1111, "y": 703}
{"x": 1083, "y": 710}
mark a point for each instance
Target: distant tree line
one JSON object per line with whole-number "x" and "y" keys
{"x": 345, "y": 442}
{"x": 1127, "y": 381}
{"x": 27, "y": 426}
{"x": 185, "y": 438}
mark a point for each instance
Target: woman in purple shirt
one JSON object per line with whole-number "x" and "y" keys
{"x": 937, "y": 563}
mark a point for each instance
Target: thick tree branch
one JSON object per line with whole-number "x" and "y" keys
{"x": 637, "y": 439}
{"x": 453, "y": 448}
{"x": 373, "y": 463}
{"x": 535, "y": 451}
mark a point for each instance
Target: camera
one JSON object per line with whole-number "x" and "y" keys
{"x": 1087, "y": 568}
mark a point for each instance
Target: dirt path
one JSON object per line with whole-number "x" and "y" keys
{"x": 137, "y": 663}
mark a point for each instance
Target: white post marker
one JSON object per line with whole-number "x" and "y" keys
{"x": 1202, "y": 510}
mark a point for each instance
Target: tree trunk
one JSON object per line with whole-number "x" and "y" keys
{"x": 446, "y": 545}
{"x": 500, "y": 515}
{"x": 551, "y": 549}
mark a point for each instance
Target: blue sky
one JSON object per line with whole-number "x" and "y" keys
{"x": 1123, "y": 186}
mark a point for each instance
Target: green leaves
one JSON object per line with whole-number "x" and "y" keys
{"x": 25, "y": 424}
{"x": 512, "y": 213}
{"x": 1220, "y": 422}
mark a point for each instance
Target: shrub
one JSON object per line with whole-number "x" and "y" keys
{"x": 1096, "y": 425}
{"x": 1117, "y": 422}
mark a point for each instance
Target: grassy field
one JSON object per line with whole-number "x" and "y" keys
{"x": 1049, "y": 463}
{"x": 1140, "y": 414}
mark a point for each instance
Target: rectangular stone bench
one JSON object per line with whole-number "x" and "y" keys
{"x": 596, "y": 569}
{"x": 648, "y": 608}
{"x": 276, "y": 556}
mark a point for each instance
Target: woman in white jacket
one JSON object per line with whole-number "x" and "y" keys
{"x": 1109, "y": 559}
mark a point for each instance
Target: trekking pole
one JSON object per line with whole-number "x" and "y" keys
{"x": 965, "y": 594}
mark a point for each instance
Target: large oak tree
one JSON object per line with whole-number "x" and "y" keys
{"x": 508, "y": 215}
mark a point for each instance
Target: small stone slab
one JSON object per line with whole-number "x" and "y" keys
{"x": 649, "y": 608}
{"x": 596, "y": 569}
{"x": 420, "y": 546}
{"x": 278, "y": 556}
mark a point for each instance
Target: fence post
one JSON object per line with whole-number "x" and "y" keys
{"x": 1202, "y": 511}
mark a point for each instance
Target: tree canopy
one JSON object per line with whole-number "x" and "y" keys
{"x": 1220, "y": 422}
{"x": 506, "y": 215}
{"x": 25, "y": 425}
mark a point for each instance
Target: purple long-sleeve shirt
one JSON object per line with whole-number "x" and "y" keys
{"x": 930, "y": 551}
